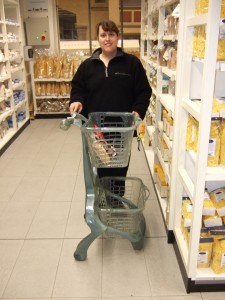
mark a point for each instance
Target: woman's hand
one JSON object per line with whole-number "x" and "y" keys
{"x": 76, "y": 107}
{"x": 135, "y": 114}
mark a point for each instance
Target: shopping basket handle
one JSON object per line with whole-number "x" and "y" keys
{"x": 73, "y": 120}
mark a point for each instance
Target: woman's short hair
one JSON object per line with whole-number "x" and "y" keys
{"x": 107, "y": 25}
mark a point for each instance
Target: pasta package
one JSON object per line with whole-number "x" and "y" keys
{"x": 218, "y": 259}
{"x": 205, "y": 252}
{"x": 218, "y": 198}
{"x": 214, "y": 143}
{"x": 187, "y": 212}
{"x": 222, "y": 142}
{"x": 208, "y": 206}
{"x": 212, "y": 221}
{"x": 192, "y": 134}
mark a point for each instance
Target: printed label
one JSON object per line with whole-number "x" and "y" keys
{"x": 223, "y": 260}
{"x": 212, "y": 147}
{"x": 202, "y": 257}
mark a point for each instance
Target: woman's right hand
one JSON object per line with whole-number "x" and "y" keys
{"x": 76, "y": 107}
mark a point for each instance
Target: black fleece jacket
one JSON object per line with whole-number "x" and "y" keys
{"x": 121, "y": 87}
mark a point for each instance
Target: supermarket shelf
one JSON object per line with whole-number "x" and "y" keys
{"x": 198, "y": 20}
{"x": 187, "y": 182}
{"x": 168, "y": 101}
{"x": 192, "y": 107}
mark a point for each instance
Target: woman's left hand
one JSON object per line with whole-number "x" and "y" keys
{"x": 135, "y": 114}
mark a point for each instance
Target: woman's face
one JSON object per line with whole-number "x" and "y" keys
{"x": 108, "y": 41}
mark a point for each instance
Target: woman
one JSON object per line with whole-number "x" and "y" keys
{"x": 110, "y": 81}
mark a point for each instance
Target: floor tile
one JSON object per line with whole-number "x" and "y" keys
{"x": 59, "y": 188}
{"x": 213, "y": 296}
{"x": 34, "y": 273}
{"x": 16, "y": 219}
{"x": 128, "y": 298}
{"x": 122, "y": 266}
{"x": 66, "y": 167}
{"x": 163, "y": 270}
{"x": 8, "y": 186}
{"x": 31, "y": 189}
{"x": 178, "y": 297}
{"x": 76, "y": 225}
{"x": 154, "y": 223}
{"x": 50, "y": 220}
{"x": 9, "y": 251}
{"x": 79, "y": 278}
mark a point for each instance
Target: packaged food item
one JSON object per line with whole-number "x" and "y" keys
{"x": 192, "y": 134}
{"x": 214, "y": 143}
{"x": 187, "y": 212}
{"x": 162, "y": 61}
{"x": 222, "y": 12}
{"x": 48, "y": 89}
{"x": 217, "y": 233}
{"x": 49, "y": 67}
{"x": 203, "y": 6}
{"x": 37, "y": 89}
{"x": 204, "y": 252}
{"x": 43, "y": 88}
{"x": 218, "y": 198}
{"x": 201, "y": 41}
{"x": 212, "y": 221}
{"x": 218, "y": 259}
{"x": 208, "y": 206}
{"x": 164, "y": 117}
{"x": 195, "y": 42}
{"x": 58, "y": 61}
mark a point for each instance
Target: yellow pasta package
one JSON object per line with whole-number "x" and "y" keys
{"x": 208, "y": 206}
{"x": 192, "y": 134}
{"x": 212, "y": 221}
{"x": 218, "y": 259}
{"x": 214, "y": 143}
{"x": 218, "y": 198}
{"x": 217, "y": 233}
{"x": 205, "y": 252}
{"x": 222, "y": 142}
{"x": 222, "y": 12}
{"x": 187, "y": 212}
{"x": 201, "y": 41}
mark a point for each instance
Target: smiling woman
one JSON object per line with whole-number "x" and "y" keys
{"x": 111, "y": 80}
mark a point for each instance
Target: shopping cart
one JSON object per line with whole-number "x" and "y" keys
{"x": 113, "y": 205}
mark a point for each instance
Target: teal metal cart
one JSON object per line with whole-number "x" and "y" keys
{"x": 114, "y": 205}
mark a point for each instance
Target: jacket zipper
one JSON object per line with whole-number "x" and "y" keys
{"x": 106, "y": 72}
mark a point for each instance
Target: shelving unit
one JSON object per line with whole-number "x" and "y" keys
{"x": 14, "y": 112}
{"x": 154, "y": 33}
{"x": 192, "y": 174}
{"x": 198, "y": 81}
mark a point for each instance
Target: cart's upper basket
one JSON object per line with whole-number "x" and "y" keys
{"x": 109, "y": 138}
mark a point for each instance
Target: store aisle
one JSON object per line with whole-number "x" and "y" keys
{"x": 41, "y": 222}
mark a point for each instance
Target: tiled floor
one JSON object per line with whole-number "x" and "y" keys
{"x": 41, "y": 222}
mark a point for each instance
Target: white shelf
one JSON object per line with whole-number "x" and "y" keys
{"x": 198, "y": 20}
{"x": 169, "y": 72}
{"x": 216, "y": 173}
{"x": 52, "y": 79}
{"x": 168, "y": 101}
{"x": 11, "y": 11}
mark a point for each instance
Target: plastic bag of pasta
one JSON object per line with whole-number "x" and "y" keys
{"x": 218, "y": 260}
{"x": 204, "y": 252}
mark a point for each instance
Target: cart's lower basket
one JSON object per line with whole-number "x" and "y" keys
{"x": 120, "y": 203}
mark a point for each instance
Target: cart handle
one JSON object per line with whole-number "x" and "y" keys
{"x": 74, "y": 119}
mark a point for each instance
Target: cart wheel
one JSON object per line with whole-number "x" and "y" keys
{"x": 80, "y": 256}
{"x": 138, "y": 245}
